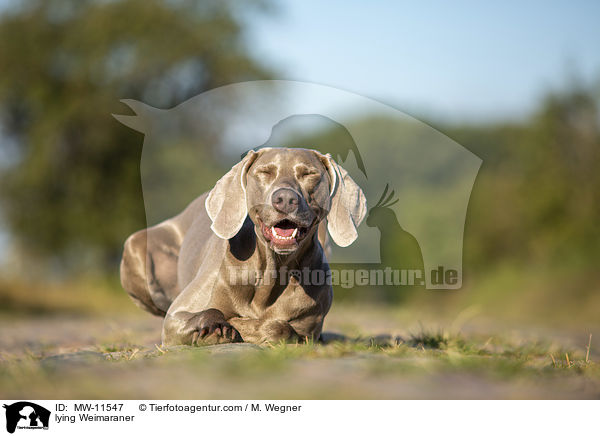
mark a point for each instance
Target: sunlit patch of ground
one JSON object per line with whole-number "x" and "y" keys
{"x": 368, "y": 353}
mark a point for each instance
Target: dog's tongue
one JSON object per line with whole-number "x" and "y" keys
{"x": 284, "y": 232}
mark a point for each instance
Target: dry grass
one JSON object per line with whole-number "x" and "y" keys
{"x": 88, "y": 340}
{"x": 83, "y": 297}
{"x": 429, "y": 363}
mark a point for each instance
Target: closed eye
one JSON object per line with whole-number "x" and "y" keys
{"x": 303, "y": 171}
{"x": 266, "y": 170}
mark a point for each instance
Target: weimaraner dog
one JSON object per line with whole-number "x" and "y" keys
{"x": 262, "y": 220}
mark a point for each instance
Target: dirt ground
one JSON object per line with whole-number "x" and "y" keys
{"x": 368, "y": 354}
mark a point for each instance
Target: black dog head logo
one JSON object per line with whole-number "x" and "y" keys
{"x": 26, "y": 414}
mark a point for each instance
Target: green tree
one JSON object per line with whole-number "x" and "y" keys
{"x": 71, "y": 189}
{"x": 536, "y": 198}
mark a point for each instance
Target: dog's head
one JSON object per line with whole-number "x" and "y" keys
{"x": 287, "y": 193}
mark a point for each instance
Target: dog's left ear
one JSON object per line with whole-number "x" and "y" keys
{"x": 226, "y": 202}
{"x": 348, "y": 204}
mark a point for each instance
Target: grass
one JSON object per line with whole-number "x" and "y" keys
{"x": 76, "y": 297}
{"x": 87, "y": 340}
{"x": 358, "y": 367}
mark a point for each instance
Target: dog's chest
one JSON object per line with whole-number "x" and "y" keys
{"x": 286, "y": 297}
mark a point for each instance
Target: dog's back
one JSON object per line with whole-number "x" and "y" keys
{"x": 149, "y": 267}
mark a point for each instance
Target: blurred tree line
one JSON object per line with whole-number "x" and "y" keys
{"x": 536, "y": 198}
{"x": 535, "y": 205}
{"x": 70, "y": 184}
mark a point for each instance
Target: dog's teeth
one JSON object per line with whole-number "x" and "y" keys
{"x": 283, "y": 238}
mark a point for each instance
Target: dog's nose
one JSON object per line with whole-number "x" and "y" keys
{"x": 285, "y": 200}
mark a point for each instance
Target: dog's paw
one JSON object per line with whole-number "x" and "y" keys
{"x": 210, "y": 327}
{"x": 278, "y": 331}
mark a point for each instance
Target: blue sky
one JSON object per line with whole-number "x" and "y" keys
{"x": 460, "y": 60}
{"x": 454, "y": 60}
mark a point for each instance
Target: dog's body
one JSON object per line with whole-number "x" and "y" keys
{"x": 219, "y": 271}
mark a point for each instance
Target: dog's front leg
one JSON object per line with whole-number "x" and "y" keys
{"x": 206, "y": 327}
{"x": 259, "y": 331}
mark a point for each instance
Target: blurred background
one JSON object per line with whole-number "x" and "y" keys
{"x": 516, "y": 84}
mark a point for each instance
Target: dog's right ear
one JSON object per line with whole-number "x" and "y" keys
{"x": 226, "y": 202}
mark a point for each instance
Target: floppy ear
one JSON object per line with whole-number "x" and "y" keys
{"x": 348, "y": 204}
{"x": 226, "y": 202}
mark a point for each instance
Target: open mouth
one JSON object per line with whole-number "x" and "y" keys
{"x": 284, "y": 234}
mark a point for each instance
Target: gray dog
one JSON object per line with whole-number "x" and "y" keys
{"x": 264, "y": 218}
